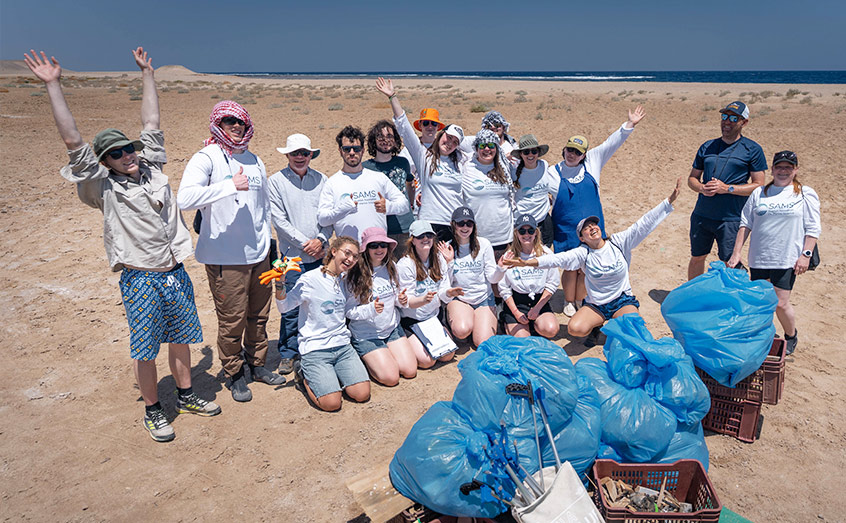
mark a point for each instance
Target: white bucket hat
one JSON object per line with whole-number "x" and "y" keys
{"x": 296, "y": 142}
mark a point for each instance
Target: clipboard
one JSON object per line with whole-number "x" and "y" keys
{"x": 434, "y": 337}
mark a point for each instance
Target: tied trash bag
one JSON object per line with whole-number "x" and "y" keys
{"x": 688, "y": 443}
{"x": 723, "y": 321}
{"x": 633, "y": 423}
{"x": 578, "y": 441}
{"x": 660, "y": 367}
{"x": 502, "y": 360}
{"x": 441, "y": 453}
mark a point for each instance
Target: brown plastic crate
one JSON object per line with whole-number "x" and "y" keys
{"x": 734, "y": 417}
{"x": 764, "y": 385}
{"x": 773, "y": 370}
{"x": 686, "y": 479}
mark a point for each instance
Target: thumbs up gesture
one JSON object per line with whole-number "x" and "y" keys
{"x": 380, "y": 204}
{"x": 242, "y": 183}
{"x": 402, "y": 298}
{"x": 378, "y": 305}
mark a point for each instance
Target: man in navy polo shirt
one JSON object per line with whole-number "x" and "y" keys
{"x": 725, "y": 172}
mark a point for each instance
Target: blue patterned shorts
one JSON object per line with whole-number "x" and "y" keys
{"x": 160, "y": 309}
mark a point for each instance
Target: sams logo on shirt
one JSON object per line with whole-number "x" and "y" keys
{"x": 329, "y": 306}
{"x": 420, "y": 288}
{"x": 478, "y": 185}
{"x": 361, "y": 196}
{"x": 761, "y": 209}
{"x": 472, "y": 265}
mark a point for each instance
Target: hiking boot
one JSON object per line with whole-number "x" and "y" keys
{"x": 286, "y": 366}
{"x": 240, "y": 390}
{"x": 193, "y": 404}
{"x": 156, "y": 423}
{"x": 591, "y": 339}
{"x": 791, "y": 342}
{"x": 265, "y": 376}
{"x": 569, "y": 309}
{"x": 299, "y": 379}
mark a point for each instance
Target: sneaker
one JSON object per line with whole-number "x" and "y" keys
{"x": 791, "y": 342}
{"x": 240, "y": 390}
{"x": 265, "y": 376}
{"x": 156, "y": 423}
{"x": 591, "y": 339}
{"x": 193, "y": 404}
{"x": 569, "y": 309}
{"x": 298, "y": 376}
{"x": 286, "y": 366}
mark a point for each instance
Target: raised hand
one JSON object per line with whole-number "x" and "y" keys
{"x": 430, "y": 296}
{"x": 402, "y": 298}
{"x": 242, "y": 183}
{"x": 636, "y": 116}
{"x": 506, "y": 257}
{"x": 455, "y": 291}
{"x": 446, "y": 251}
{"x": 675, "y": 193}
{"x": 143, "y": 61}
{"x": 46, "y": 70}
{"x": 380, "y": 204}
{"x": 385, "y": 86}
{"x": 378, "y": 305}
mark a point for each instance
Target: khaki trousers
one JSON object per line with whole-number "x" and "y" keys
{"x": 242, "y": 306}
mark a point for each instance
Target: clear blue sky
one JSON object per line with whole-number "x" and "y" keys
{"x": 453, "y": 35}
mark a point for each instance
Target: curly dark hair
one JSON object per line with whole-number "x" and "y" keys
{"x": 351, "y": 133}
{"x": 376, "y": 131}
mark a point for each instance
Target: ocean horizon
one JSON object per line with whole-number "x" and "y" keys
{"x": 723, "y": 77}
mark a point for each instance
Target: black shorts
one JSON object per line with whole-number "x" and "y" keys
{"x": 780, "y": 278}
{"x": 523, "y": 303}
{"x": 547, "y": 230}
{"x": 703, "y": 232}
{"x": 443, "y": 232}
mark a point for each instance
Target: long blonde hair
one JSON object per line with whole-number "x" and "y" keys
{"x": 434, "y": 263}
{"x": 515, "y": 247}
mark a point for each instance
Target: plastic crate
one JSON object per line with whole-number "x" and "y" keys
{"x": 765, "y": 385}
{"x": 773, "y": 371}
{"x": 734, "y": 417}
{"x": 686, "y": 480}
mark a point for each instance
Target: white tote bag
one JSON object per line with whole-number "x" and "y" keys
{"x": 565, "y": 501}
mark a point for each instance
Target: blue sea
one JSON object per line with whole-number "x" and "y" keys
{"x": 720, "y": 77}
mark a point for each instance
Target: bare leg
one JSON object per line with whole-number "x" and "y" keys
{"x": 147, "y": 379}
{"x": 696, "y": 266}
{"x": 359, "y": 392}
{"x": 568, "y": 284}
{"x": 518, "y": 330}
{"x": 179, "y": 358}
{"x": 547, "y": 325}
{"x": 484, "y": 324}
{"x": 581, "y": 291}
{"x": 382, "y": 366}
{"x": 424, "y": 361}
{"x": 404, "y": 356}
{"x": 329, "y": 402}
{"x": 460, "y": 316}
{"x": 785, "y": 313}
{"x": 584, "y": 321}
{"x": 628, "y": 309}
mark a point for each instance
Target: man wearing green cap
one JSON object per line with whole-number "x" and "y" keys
{"x": 144, "y": 235}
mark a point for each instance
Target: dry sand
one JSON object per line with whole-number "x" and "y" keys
{"x": 73, "y": 447}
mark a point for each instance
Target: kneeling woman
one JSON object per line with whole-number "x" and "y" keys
{"x": 328, "y": 360}
{"x": 526, "y": 290}
{"x": 423, "y": 275}
{"x": 474, "y": 269}
{"x": 606, "y": 267}
{"x": 380, "y": 341}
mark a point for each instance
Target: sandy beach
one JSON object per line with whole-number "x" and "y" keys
{"x": 72, "y": 447}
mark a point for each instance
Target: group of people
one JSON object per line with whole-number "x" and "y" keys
{"x": 468, "y": 231}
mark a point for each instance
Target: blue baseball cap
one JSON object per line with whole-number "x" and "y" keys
{"x": 738, "y": 108}
{"x": 526, "y": 219}
{"x": 463, "y": 213}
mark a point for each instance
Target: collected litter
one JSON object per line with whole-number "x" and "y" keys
{"x": 641, "y": 499}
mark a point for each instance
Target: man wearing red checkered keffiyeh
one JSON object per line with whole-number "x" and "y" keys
{"x": 223, "y": 139}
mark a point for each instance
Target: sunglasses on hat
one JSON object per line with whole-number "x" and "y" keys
{"x": 117, "y": 154}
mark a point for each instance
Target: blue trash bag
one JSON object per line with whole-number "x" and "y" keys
{"x": 660, "y": 367}
{"x": 442, "y": 452}
{"x": 502, "y": 360}
{"x": 723, "y": 321}
{"x": 688, "y": 443}
{"x": 633, "y": 423}
{"x": 606, "y": 452}
{"x": 578, "y": 442}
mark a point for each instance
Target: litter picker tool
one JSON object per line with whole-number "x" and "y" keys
{"x": 518, "y": 389}
{"x": 540, "y": 394}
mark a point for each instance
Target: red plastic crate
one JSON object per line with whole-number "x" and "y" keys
{"x": 686, "y": 480}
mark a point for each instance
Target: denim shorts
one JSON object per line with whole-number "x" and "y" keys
{"x": 703, "y": 232}
{"x": 489, "y": 301}
{"x": 159, "y": 309}
{"x": 607, "y": 311}
{"x": 330, "y": 370}
{"x": 780, "y": 278}
{"x": 362, "y": 347}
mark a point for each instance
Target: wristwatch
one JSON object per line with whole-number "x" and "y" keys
{"x": 806, "y": 253}
{"x": 731, "y": 189}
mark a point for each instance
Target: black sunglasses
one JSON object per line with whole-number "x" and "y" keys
{"x": 526, "y": 231}
{"x": 464, "y": 223}
{"x": 573, "y": 150}
{"x": 301, "y": 152}
{"x": 427, "y": 123}
{"x": 353, "y": 148}
{"x": 529, "y": 151}
{"x": 117, "y": 154}
{"x": 378, "y": 245}
{"x": 733, "y": 118}
{"x": 426, "y": 235}
{"x": 231, "y": 120}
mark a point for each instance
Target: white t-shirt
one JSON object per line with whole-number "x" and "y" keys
{"x": 607, "y": 268}
{"x": 490, "y": 202}
{"x": 531, "y": 281}
{"x": 779, "y": 223}
{"x": 595, "y": 159}
{"x": 408, "y": 280}
{"x": 236, "y": 224}
{"x": 441, "y": 190}
{"x": 535, "y": 187}
{"x": 474, "y": 275}
{"x": 322, "y": 299}
{"x": 382, "y": 324}
{"x": 341, "y": 192}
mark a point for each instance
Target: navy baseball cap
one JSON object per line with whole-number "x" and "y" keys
{"x": 738, "y": 108}
{"x": 525, "y": 219}
{"x": 463, "y": 213}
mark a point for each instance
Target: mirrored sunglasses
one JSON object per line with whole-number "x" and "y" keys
{"x": 733, "y": 118}
{"x": 486, "y": 146}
